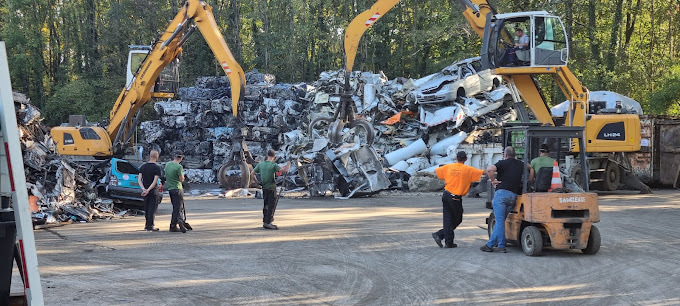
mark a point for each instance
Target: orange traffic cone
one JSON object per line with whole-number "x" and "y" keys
{"x": 556, "y": 179}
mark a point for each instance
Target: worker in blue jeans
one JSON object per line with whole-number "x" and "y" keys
{"x": 508, "y": 184}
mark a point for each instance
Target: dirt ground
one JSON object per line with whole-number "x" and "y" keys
{"x": 371, "y": 251}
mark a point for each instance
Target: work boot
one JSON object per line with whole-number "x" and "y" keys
{"x": 174, "y": 228}
{"x": 152, "y": 229}
{"x": 499, "y": 250}
{"x": 485, "y": 248}
{"x": 437, "y": 240}
{"x": 182, "y": 227}
{"x": 451, "y": 245}
{"x": 189, "y": 228}
{"x": 270, "y": 226}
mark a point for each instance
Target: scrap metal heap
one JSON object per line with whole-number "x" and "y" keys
{"x": 408, "y": 138}
{"x": 59, "y": 190}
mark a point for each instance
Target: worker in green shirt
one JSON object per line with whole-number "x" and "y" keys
{"x": 174, "y": 176}
{"x": 267, "y": 170}
{"x": 543, "y": 160}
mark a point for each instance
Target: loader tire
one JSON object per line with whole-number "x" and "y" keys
{"x": 612, "y": 176}
{"x": 577, "y": 175}
{"x": 532, "y": 241}
{"x": 594, "y": 241}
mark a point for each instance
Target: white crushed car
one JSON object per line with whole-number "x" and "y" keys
{"x": 459, "y": 80}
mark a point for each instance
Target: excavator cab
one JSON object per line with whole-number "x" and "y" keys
{"x": 535, "y": 39}
{"x": 168, "y": 81}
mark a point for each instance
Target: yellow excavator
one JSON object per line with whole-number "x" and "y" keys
{"x": 154, "y": 77}
{"x": 609, "y": 133}
{"x": 540, "y": 218}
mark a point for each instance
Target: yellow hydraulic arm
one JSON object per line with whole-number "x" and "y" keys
{"x": 164, "y": 51}
{"x": 359, "y": 25}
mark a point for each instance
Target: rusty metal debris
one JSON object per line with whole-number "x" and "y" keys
{"x": 61, "y": 190}
{"x": 328, "y": 156}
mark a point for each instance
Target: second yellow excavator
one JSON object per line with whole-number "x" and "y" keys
{"x": 87, "y": 142}
{"x": 608, "y": 133}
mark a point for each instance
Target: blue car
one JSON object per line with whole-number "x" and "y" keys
{"x": 120, "y": 183}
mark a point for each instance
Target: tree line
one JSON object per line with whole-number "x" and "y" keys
{"x": 70, "y": 56}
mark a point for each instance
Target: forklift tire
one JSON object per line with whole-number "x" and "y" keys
{"x": 532, "y": 241}
{"x": 593, "y": 242}
{"x": 612, "y": 176}
{"x": 491, "y": 224}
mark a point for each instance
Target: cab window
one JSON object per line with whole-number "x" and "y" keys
{"x": 68, "y": 139}
{"x": 89, "y": 134}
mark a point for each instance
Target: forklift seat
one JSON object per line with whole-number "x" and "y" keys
{"x": 543, "y": 179}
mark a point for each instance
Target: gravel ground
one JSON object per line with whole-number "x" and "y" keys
{"x": 372, "y": 251}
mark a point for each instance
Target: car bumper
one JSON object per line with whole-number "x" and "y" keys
{"x": 125, "y": 193}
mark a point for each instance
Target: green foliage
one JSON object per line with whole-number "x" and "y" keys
{"x": 92, "y": 98}
{"x": 70, "y": 56}
{"x": 666, "y": 99}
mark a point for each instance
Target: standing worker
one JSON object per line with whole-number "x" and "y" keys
{"x": 267, "y": 170}
{"x": 508, "y": 185}
{"x": 458, "y": 177}
{"x": 149, "y": 173}
{"x": 174, "y": 176}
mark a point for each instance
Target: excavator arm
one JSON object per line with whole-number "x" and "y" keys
{"x": 164, "y": 51}
{"x": 359, "y": 25}
{"x": 475, "y": 12}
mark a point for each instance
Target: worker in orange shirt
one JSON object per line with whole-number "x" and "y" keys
{"x": 458, "y": 177}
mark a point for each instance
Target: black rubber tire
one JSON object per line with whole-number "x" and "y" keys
{"x": 245, "y": 175}
{"x": 612, "y": 176}
{"x": 532, "y": 241}
{"x": 594, "y": 241}
{"x": 491, "y": 224}
{"x": 370, "y": 132}
{"x": 495, "y": 84}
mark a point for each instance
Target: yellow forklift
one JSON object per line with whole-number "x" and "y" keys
{"x": 562, "y": 218}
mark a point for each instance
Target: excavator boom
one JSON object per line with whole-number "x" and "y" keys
{"x": 166, "y": 49}
{"x": 359, "y": 25}
{"x": 95, "y": 141}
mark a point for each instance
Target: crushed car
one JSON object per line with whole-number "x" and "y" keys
{"x": 455, "y": 82}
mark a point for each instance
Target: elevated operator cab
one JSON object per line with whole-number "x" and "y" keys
{"x": 168, "y": 81}
{"x": 547, "y": 40}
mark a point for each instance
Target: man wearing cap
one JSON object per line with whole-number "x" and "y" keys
{"x": 543, "y": 160}
{"x": 458, "y": 177}
{"x": 174, "y": 176}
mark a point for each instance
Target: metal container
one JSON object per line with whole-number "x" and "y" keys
{"x": 658, "y": 161}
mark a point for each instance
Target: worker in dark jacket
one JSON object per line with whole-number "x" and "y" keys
{"x": 267, "y": 170}
{"x": 508, "y": 186}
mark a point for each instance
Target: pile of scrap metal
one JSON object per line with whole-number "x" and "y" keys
{"x": 407, "y": 138}
{"x": 60, "y": 191}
